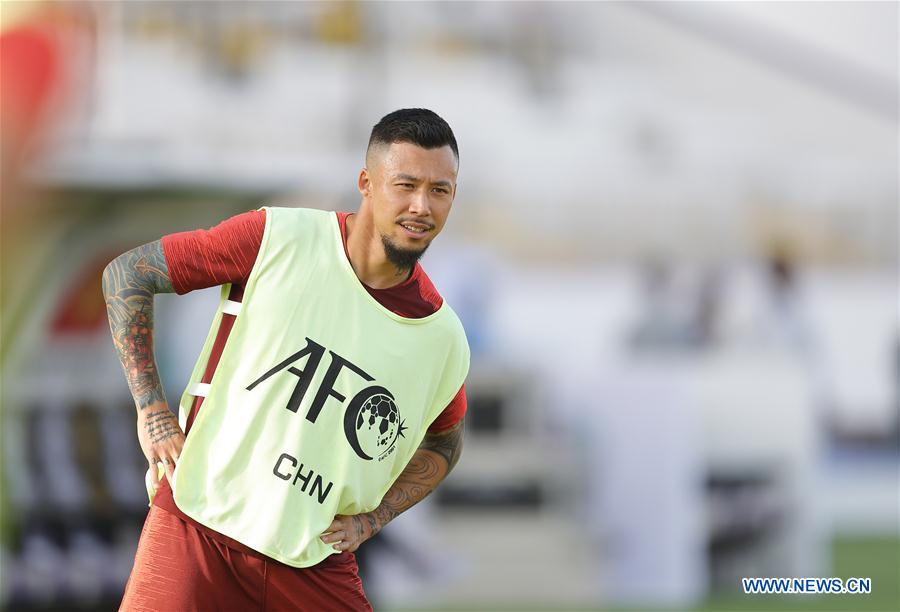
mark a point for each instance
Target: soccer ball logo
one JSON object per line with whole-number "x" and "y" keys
{"x": 378, "y": 425}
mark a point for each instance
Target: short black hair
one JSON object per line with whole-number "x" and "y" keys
{"x": 418, "y": 126}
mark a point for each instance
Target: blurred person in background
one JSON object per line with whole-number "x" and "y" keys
{"x": 786, "y": 320}
{"x": 261, "y": 498}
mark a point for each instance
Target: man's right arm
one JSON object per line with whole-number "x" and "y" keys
{"x": 129, "y": 283}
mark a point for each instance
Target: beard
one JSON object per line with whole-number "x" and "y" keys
{"x": 402, "y": 259}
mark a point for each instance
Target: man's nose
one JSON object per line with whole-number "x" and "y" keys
{"x": 419, "y": 204}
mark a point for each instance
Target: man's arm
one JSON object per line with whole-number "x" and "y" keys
{"x": 129, "y": 283}
{"x": 432, "y": 461}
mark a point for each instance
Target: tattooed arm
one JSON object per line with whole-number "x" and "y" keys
{"x": 129, "y": 283}
{"x": 432, "y": 461}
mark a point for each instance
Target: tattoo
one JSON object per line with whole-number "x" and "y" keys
{"x": 358, "y": 526}
{"x": 431, "y": 463}
{"x": 373, "y": 525}
{"x": 129, "y": 283}
{"x": 161, "y": 425}
{"x": 447, "y": 444}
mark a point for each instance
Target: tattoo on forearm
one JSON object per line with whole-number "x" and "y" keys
{"x": 129, "y": 284}
{"x": 373, "y": 525}
{"x": 436, "y": 456}
{"x": 358, "y": 526}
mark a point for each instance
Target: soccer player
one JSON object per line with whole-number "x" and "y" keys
{"x": 328, "y": 397}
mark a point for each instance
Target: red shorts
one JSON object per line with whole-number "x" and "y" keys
{"x": 178, "y": 568}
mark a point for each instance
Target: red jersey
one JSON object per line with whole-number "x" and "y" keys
{"x": 225, "y": 254}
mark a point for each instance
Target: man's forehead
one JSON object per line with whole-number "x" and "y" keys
{"x": 412, "y": 160}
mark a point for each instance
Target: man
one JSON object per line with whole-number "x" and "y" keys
{"x": 327, "y": 399}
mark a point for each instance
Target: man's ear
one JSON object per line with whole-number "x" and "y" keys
{"x": 364, "y": 183}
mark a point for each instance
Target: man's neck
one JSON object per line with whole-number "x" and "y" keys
{"x": 367, "y": 255}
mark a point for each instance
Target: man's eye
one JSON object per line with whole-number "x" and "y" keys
{"x": 442, "y": 190}
{"x": 405, "y": 185}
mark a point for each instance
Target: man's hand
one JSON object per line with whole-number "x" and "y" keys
{"x": 430, "y": 464}
{"x": 161, "y": 439}
{"x": 346, "y": 533}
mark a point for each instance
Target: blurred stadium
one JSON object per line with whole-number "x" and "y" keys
{"x": 674, "y": 249}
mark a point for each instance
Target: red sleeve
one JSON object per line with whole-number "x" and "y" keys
{"x": 219, "y": 255}
{"x": 452, "y": 414}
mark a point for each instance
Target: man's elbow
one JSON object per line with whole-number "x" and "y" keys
{"x": 111, "y": 272}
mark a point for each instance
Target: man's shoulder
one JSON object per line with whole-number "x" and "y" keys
{"x": 426, "y": 289}
{"x": 430, "y": 294}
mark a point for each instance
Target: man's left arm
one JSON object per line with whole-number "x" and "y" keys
{"x": 430, "y": 464}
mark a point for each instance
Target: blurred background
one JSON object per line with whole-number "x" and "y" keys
{"x": 674, "y": 249}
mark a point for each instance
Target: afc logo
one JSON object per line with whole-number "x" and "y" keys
{"x": 372, "y": 422}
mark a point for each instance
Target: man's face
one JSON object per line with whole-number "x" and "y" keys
{"x": 410, "y": 191}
